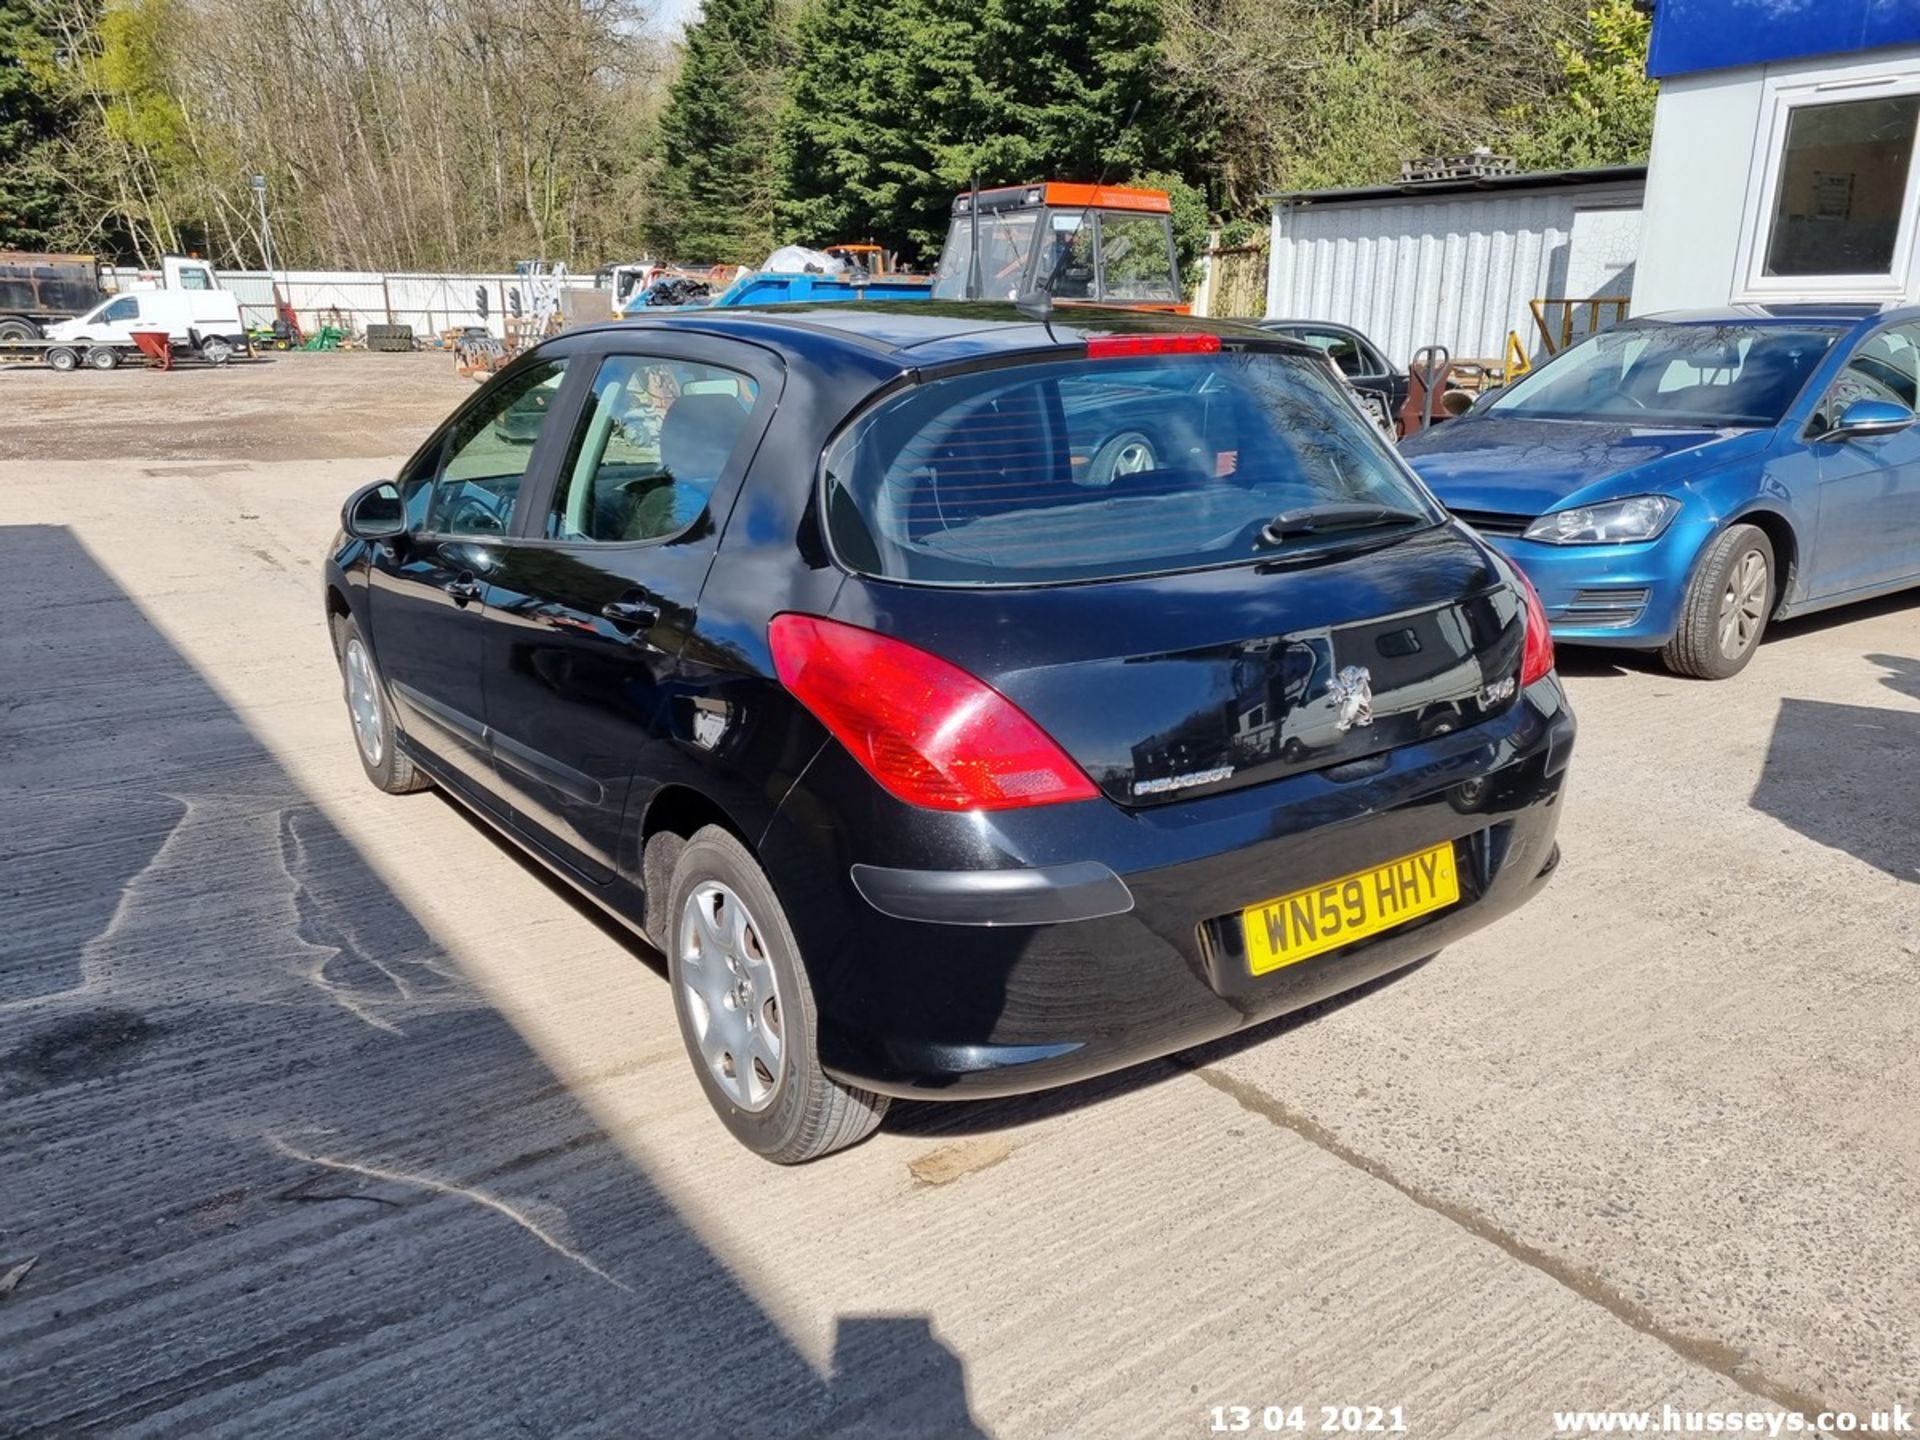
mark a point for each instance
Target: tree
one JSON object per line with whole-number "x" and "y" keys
{"x": 1604, "y": 115}
{"x": 36, "y": 201}
{"x": 29, "y": 118}
{"x": 859, "y": 153}
{"x": 894, "y": 109}
{"x": 1340, "y": 92}
{"x": 714, "y": 199}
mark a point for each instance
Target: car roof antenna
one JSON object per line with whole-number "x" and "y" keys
{"x": 1038, "y": 304}
{"x": 973, "y": 246}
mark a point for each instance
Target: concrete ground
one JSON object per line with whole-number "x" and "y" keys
{"x": 322, "y": 1113}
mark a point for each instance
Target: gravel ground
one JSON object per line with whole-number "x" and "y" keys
{"x": 322, "y": 1113}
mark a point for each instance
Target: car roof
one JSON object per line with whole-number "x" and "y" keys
{"x": 1289, "y": 324}
{"x": 1823, "y": 312}
{"x": 912, "y": 334}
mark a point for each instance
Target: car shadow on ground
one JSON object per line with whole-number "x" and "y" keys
{"x": 279, "y": 1166}
{"x": 1846, "y": 776}
{"x": 1905, "y": 601}
{"x": 977, "y": 1117}
{"x": 1598, "y": 661}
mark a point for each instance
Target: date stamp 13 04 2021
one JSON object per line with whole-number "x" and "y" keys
{"x": 1303, "y": 1419}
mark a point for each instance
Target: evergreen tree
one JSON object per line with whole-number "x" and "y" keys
{"x": 893, "y": 109}
{"x": 713, "y": 199}
{"x": 33, "y": 201}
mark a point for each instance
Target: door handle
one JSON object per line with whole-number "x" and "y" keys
{"x": 464, "y": 590}
{"x": 636, "y": 613}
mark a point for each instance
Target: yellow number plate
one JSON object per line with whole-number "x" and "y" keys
{"x": 1299, "y": 926}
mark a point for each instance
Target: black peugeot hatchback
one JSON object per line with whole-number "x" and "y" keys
{"x": 964, "y": 703}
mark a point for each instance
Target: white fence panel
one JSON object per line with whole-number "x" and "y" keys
{"x": 355, "y": 299}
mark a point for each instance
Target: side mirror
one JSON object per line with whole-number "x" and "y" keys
{"x": 374, "y": 512}
{"x": 1866, "y": 418}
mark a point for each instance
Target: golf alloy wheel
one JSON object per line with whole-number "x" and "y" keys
{"x": 1743, "y": 605}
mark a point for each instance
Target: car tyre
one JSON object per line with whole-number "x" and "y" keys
{"x": 14, "y": 329}
{"x": 215, "y": 351}
{"x": 746, "y": 1010}
{"x": 1727, "y": 605}
{"x": 1129, "y": 453}
{"x": 375, "y": 735}
{"x": 63, "y": 359}
{"x": 103, "y": 357}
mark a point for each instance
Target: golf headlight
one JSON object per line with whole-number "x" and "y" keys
{"x": 1614, "y": 523}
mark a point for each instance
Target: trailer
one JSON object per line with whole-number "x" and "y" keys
{"x": 142, "y": 347}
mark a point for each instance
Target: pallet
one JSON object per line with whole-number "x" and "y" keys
{"x": 1477, "y": 166}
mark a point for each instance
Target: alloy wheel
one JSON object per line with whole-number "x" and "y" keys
{"x": 1743, "y": 606}
{"x": 363, "y": 702}
{"x": 733, "y": 995}
{"x": 1135, "y": 456}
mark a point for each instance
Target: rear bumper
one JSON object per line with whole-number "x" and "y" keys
{"x": 960, "y": 1008}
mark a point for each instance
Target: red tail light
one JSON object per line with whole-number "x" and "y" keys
{"x": 926, "y": 730}
{"x": 1120, "y": 347}
{"x": 1537, "y": 659}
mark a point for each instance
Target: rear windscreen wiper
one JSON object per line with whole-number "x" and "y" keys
{"x": 1325, "y": 519}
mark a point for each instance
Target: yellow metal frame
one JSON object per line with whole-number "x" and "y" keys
{"x": 1568, "y": 309}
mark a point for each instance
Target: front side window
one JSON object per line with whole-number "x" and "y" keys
{"x": 1135, "y": 257}
{"x": 1103, "y": 468}
{"x": 1674, "y": 375}
{"x": 1886, "y": 367}
{"x": 485, "y": 457}
{"x": 1070, "y": 259}
{"x": 1841, "y": 191}
{"x": 125, "y": 308}
{"x": 652, "y": 441}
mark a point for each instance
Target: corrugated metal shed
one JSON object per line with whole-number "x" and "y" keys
{"x": 1453, "y": 264}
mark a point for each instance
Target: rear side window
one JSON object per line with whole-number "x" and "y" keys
{"x": 1095, "y": 469}
{"x": 652, "y": 441}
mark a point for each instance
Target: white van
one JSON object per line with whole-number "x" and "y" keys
{"x": 188, "y": 316}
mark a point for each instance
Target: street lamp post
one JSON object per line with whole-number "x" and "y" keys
{"x": 259, "y": 184}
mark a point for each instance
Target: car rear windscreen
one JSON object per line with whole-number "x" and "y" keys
{"x": 1090, "y": 469}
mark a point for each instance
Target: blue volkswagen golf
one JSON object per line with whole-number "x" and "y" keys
{"x": 1677, "y": 482}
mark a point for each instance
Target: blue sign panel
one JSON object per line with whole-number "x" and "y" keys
{"x": 1694, "y": 35}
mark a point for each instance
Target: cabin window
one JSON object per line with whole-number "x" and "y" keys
{"x": 1842, "y": 187}
{"x": 1834, "y": 214}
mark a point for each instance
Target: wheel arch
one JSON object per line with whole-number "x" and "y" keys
{"x": 674, "y": 814}
{"x": 337, "y": 609}
{"x": 1785, "y": 539}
